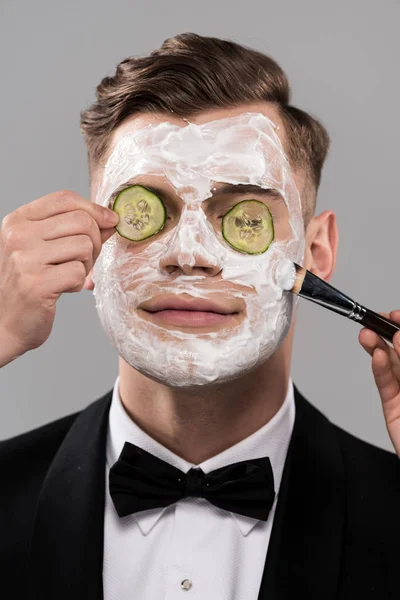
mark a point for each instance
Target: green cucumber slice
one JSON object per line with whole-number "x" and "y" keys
{"x": 248, "y": 227}
{"x": 141, "y": 213}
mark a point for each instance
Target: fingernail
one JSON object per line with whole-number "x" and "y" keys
{"x": 112, "y": 217}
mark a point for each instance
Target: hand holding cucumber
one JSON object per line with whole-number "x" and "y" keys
{"x": 47, "y": 248}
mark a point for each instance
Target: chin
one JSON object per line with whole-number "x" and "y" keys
{"x": 190, "y": 374}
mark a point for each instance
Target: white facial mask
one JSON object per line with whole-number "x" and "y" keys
{"x": 241, "y": 150}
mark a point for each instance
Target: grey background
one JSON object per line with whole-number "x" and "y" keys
{"x": 342, "y": 61}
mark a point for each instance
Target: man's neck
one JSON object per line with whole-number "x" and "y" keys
{"x": 198, "y": 424}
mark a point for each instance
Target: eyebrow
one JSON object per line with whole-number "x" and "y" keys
{"x": 247, "y": 188}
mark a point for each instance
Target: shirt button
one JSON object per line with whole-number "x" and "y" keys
{"x": 186, "y": 584}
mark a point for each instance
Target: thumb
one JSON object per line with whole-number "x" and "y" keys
{"x": 107, "y": 233}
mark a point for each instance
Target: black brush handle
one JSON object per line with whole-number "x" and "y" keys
{"x": 382, "y": 326}
{"x": 319, "y": 291}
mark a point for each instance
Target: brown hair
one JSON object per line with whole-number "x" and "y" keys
{"x": 191, "y": 73}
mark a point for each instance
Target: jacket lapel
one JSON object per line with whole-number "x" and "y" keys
{"x": 66, "y": 553}
{"x": 305, "y": 550}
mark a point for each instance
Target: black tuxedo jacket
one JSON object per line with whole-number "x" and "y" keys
{"x": 336, "y": 533}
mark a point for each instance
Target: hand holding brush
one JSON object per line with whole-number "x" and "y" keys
{"x": 385, "y": 358}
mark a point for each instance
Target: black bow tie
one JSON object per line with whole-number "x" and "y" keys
{"x": 140, "y": 481}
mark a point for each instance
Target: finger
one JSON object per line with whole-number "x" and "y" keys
{"x": 395, "y": 316}
{"x": 395, "y": 355}
{"x": 389, "y": 390}
{"x": 396, "y": 342}
{"x": 66, "y": 278}
{"x": 65, "y": 201}
{"x": 370, "y": 340}
{"x": 384, "y": 314}
{"x": 71, "y": 248}
{"x": 73, "y": 223}
{"x": 387, "y": 384}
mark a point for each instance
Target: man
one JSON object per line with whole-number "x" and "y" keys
{"x": 204, "y": 470}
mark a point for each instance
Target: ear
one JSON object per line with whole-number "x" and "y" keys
{"x": 321, "y": 245}
{"x": 89, "y": 283}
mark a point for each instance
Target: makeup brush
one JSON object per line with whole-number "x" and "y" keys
{"x": 309, "y": 286}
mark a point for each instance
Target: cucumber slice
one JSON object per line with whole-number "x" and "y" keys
{"x": 248, "y": 227}
{"x": 141, "y": 213}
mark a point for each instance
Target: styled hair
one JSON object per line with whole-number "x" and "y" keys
{"x": 191, "y": 73}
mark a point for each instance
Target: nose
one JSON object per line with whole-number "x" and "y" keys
{"x": 193, "y": 249}
{"x": 176, "y": 263}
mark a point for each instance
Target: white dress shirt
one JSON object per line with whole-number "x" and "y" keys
{"x": 190, "y": 549}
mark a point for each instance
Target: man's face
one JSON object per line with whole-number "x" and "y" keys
{"x": 201, "y": 169}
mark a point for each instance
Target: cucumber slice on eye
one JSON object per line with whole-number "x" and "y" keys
{"x": 141, "y": 213}
{"x": 248, "y": 227}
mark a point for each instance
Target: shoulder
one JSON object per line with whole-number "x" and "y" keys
{"x": 371, "y": 486}
{"x": 370, "y": 469}
{"x": 371, "y": 456}
{"x": 25, "y": 458}
{"x": 368, "y": 475}
{"x": 24, "y": 463}
{"x": 366, "y": 479}
{"x": 355, "y": 451}
{"x": 31, "y": 453}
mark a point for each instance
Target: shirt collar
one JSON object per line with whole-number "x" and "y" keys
{"x": 271, "y": 440}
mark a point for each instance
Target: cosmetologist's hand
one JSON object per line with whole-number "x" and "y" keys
{"x": 47, "y": 248}
{"x": 386, "y": 370}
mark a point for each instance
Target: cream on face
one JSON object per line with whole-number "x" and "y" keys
{"x": 240, "y": 150}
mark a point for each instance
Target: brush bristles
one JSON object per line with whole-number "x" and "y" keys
{"x": 301, "y": 272}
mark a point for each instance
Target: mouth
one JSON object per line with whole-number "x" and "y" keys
{"x": 190, "y": 312}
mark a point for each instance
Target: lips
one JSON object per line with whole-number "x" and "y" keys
{"x": 191, "y": 313}
{"x": 180, "y": 304}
